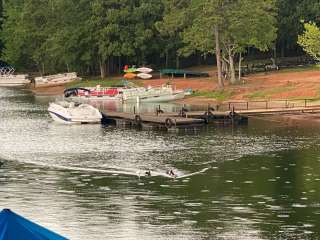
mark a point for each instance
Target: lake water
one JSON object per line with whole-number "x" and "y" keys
{"x": 260, "y": 181}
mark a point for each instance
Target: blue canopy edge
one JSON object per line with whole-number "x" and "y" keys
{"x": 14, "y": 226}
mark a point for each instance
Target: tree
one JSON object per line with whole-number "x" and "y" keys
{"x": 247, "y": 23}
{"x": 170, "y": 28}
{"x": 228, "y": 27}
{"x": 310, "y": 40}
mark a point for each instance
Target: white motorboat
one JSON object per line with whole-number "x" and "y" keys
{"x": 71, "y": 113}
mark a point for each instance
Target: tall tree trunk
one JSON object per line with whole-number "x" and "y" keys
{"x": 43, "y": 69}
{"x": 218, "y": 57}
{"x": 240, "y": 61}
{"x": 283, "y": 50}
{"x": 167, "y": 58}
{"x": 275, "y": 54}
{"x": 177, "y": 62}
{"x": 233, "y": 79}
{"x": 103, "y": 69}
{"x": 119, "y": 65}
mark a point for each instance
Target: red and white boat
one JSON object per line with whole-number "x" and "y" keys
{"x": 126, "y": 94}
{"x": 94, "y": 93}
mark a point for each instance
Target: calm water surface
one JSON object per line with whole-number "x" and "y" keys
{"x": 256, "y": 182}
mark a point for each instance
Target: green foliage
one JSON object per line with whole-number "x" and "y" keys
{"x": 290, "y": 14}
{"x": 80, "y": 35}
{"x": 310, "y": 40}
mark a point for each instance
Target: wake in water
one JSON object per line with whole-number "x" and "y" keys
{"x": 112, "y": 170}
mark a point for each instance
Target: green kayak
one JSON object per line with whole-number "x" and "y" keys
{"x": 130, "y": 70}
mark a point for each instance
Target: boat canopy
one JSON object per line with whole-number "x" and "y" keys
{"x": 13, "y": 226}
{"x": 74, "y": 91}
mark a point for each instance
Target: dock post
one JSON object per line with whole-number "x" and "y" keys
{"x": 305, "y": 103}
{"x": 134, "y": 110}
{"x": 247, "y": 105}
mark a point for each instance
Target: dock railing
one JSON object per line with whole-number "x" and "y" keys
{"x": 270, "y": 104}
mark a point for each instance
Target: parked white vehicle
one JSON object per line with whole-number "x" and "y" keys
{"x": 71, "y": 113}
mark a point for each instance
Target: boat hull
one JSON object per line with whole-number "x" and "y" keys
{"x": 64, "y": 120}
{"x": 93, "y": 98}
{"x": 14, "y": 83}
{"x": 161, "y": 98}
{"x": 60, "y": 115}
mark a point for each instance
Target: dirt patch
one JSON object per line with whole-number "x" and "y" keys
{"x": 272, "y": 85}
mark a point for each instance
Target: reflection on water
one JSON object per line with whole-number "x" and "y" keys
{"x": 262, "y": 181}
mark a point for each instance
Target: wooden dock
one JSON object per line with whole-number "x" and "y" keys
{"x": 152, "y": 121}
{"x": 194, "y": 119}
{"x": 172, "y": 120}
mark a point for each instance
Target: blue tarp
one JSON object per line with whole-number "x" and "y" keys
{"x": 15, "y": 227}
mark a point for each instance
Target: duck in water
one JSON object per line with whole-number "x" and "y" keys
{"x": 171, "y": 173}
{"x": 148, "y": 173}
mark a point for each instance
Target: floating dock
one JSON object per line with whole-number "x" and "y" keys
{"x": 194, "y": 119}
{"x": 172, "y": 120}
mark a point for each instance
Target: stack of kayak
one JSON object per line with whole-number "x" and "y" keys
{"x": 133, "y": 72}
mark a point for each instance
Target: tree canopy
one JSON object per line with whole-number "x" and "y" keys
{"x": 99, "y": 36}
{"x": 310, "y": 40}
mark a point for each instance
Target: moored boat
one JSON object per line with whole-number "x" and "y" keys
{"x": 9, "y": 79}
{"x": 152, "y": 94}
{"x": 72, "y": 113}
{"x": 125, "y": 94}
{"x": 14, "y": 80}
{"x": 55, "y": 80}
